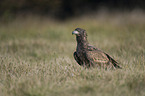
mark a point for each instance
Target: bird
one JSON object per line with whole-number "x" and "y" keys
{"x": 89, "y": 56}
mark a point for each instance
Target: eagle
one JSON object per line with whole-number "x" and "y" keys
{"x": 89, "y": 56}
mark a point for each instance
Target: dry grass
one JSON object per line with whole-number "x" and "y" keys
{"x": 36, "y": 56}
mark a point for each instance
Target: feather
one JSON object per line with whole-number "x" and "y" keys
{"x": 88, "y": 55}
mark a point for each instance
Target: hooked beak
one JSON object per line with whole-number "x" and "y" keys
{"x": 75, "y": 32}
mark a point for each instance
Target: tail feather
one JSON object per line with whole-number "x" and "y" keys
{"x": 113, "y": 62}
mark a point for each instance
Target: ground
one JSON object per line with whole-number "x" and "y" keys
{"x": 36, "y": 56}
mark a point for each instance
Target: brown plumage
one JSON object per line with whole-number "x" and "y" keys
{"x": 87, "y": 55}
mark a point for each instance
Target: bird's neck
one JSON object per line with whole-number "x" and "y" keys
{"x": 82, "y": 42}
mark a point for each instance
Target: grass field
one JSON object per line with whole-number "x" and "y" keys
{"x": 36, "y": 56}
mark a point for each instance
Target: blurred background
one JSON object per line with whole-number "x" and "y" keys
{"x": 37, "y": 45}
{"x": 64, "y": 9}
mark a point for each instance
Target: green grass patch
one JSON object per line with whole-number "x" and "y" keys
{"x": 36, "y": 56}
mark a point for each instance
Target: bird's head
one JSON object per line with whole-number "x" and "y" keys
{"x": 79, "y": 32}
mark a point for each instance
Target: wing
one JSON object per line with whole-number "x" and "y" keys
{"x": 115, "y": 63}
{"x": 97, "y": 56}
{"x": 77, "y": 59}
{"x": 92, "y": 48}
{"x": 100, "y": 57}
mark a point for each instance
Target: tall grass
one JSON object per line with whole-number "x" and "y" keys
{"x": 36, "y": 56}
